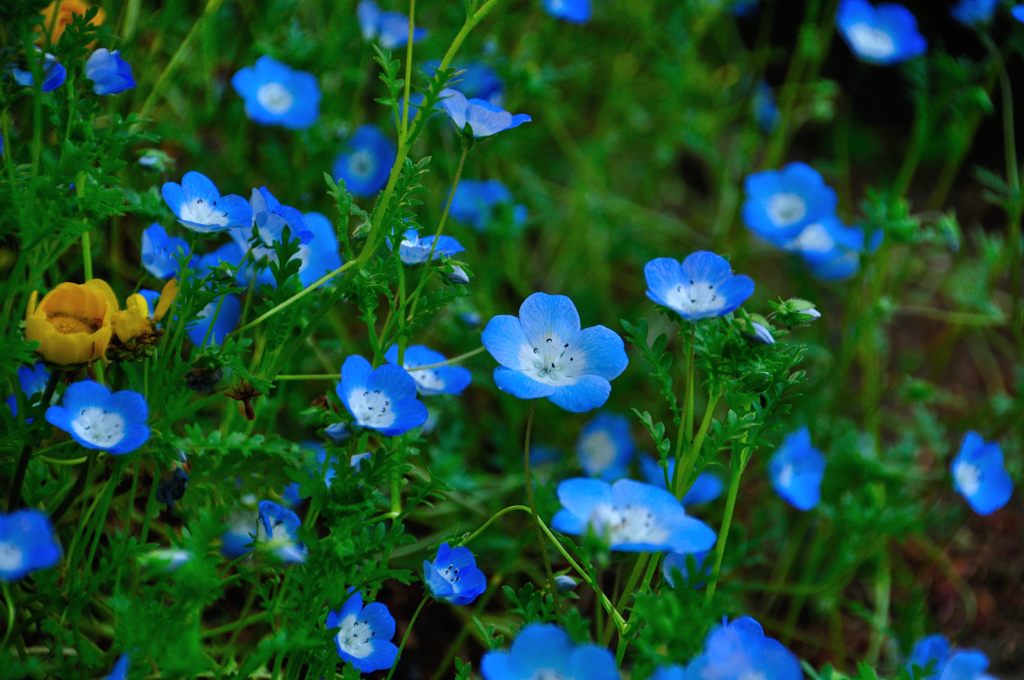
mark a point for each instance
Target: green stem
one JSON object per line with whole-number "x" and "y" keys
{"x": 685, "y": 429}
{"x": 14, "y": 494}
{"x": 532, "y": 502}
{"x": 738, "y": 465}
{"x": 415, "y": 615}
{"x": 86, "y": 255}
{"x": 407, "y": 84}
{"x": 293, "y": 299}
{"x": 9, "y": 602}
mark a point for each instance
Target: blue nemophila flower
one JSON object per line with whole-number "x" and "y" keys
{"x": 573, "y": 11}
{"x": 32, "y": 381}
{"x": 482, "y": 118}
{"x": 161, "y": 253}
{"x": 693, "y": 568}
{"x": 934, "y": 652}
{"x": 319, "y": 254}
{"x": 276, "y": 94}
{"x": 382, "y": 398}
{"x": 390, "y": 29}
{"x": 979, "y": 475}
{"x": 605, "y": 447}
{"x": 99, "y": 419}
{"x": 543, "y": 650}
{"x": 440, "y": 380}
{"x": 27, "y": 542}
{"x": 365, "y": 162}
{"x": 54, "y": 74}
{"x": 199, "y": 206}
{"x": 830, "y": 248}
{"x": 974, "y": 12}
{"x": 215, "y": 321}
{"x": 269, "y": 219}
{"x": 781, "y": 203}
{"x": 120, "y": 669}
{"x": 364, "y": 634}
{"x": 109, "y": 73}
{"x": 885, "y": 35}
{"x": 699, "y": 287}
{"x": 706, "y": 488}
{"x": 414, "y": 249}
{"x": 631, "y": 516}
{"x": 277, "y": 527}
{"x": 454, "y": 576}
{"x": 479, "y": 203}
{"x": 796, "y": 469}
{"x": 741, "y": 650}
{"x": 543, "y": 353}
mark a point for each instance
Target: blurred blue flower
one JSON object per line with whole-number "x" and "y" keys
{"x": 573, "y": 11}
{"x": 693, "y": 568}
{"x": 481, "y": 117}
{"x": 474, "y": 79}
{"x": 453, "y": 576}
{"x": 706, "y": 488}
{"x": 382, "y": 398}
{"x": 979, "y": 475}
{"x": 199, "y": 206}
{"x": 109, "y": 73}
{"x": 974, "y": 12}
{"x": 54, "y": 74}
{"x": 319, "y": 255}
{"x": 934, "y": 652}
{"x": 766, "y": 112}
{"x": 27, "y": 542}
{"x": 1018, "y": 12}
{"x": 479, "y": 203}
{"x": 365, "y": 162}
{"x": 781, "y": 203}
{"x": 364, "y": 634}
{"x": 885, "y": 35}
{"x": 744, "y": 8}
{"x": 699, "y": 287}
{"x": 238, "y": 537}
{"x": 741, "y": 650}
{"x": 390, "y": 29}
{"x": 120, "y": 669}
{"x": 630, "y": 516}
{"x": 543, "y": 650}
{"x": 276, "y": 94}
{"x": 543, "y": 353}
{"x": 102, "y": 420}
{"x": 413, "y": 249}
{"x": 605, "y": 448}
{"x": 32, "y": 380}
{"x": 565, "y": 583}
{"x": 796, "y": 469}
{"x": 277, "y": 527}
{"x": 215, "y": 321}
{"x": 317, "y": 463}
{"x": 830, "y": 248}
{"x": 161, "y": 253}
{"x": 440, "y": 380}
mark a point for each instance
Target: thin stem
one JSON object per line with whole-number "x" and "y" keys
{"x": 9, "y": 602}
{"x": 301, "y": 294}
{"x": 412, "y": 369}
{"x": 405, "y": 635}
{"x": 14, "y": 494}
{"x": 86, "y": 255}
{"x": 408, "y": 83}
{"x": 530, "y": 499}
{"x": 495, "y": 517}
{"x": 723, "y": 534}
{"x": 74, "y": 492}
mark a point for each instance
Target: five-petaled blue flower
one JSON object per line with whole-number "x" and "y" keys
{"x": 699, "y": 287}
{"x": 276, "y": 94}
{"x": 979, "y": 475}
{"x": 630, "y": 516}
{"x": 781, "y": 203}
{"x": 482, "y": 118}
{"x": 364, "y": 634}
{"x": 543, "y": 353}
{"x": 796, "y": 469}
{"x": 319, "y": 255}
{"x": 199, "y": 206}
{"x": 54, "y": 74}
{"x": 277, "y": 528}
{"x": 109, "y": 73}
{"x": 99, "y": 419}
{"x": 605, "y": 447}
{"x": 32, "y": 380}
{"x": 414, "y": 249}
{"x": 573, "y": 11}
{"x": 382, "y": 398}
{"x": 27, "y": 542}
{"x": 390, "y": 29}
{"x": 215, "y": 321}
{"x": 161, "y": 253}
{"x": 481, "y": 203}
{"x": 885, "y": 35}
{"x": 430, "y": 381}
{"x": 543, "y": 650}
{"x": 741, "y": 650}
{"x": 454, "y": 576}
{"x": 365, "y": 162}
{"x": 706, "y": 488}
{"x": 934, "y": 652}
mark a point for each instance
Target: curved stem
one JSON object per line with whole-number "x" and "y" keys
{"x": 412, "y": 369}
{"x": 9, "y": 602}
{"x": 739, "y": 464}
{"x": 532, "y": 502}
{"x": 405, "y": 635}
{"x": 301, "y": 294}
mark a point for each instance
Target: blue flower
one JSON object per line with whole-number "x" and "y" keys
{"x": 440, "y": 380}
{"x": 99, "y": 419}
{"x": 481, "y": 117}
{"x": 543, "y": 650}
{"x": 565, "y": 583}
{"x": 760, "y": 333}
{"x": 974, "y": 12}
{"x": 631, "y": 516}
{"x": 979, "y": 475}
{"x": 781, "y": 203}
{"x": 365, "y": 162}
{"x": 543, "y": 353}
{"x": 120, "y": 669}
{"x": 885, "y": 35}
{"x": 766, "y": 112}
{"x": 699, "y": 287}
{"x": 706, "y": 488}
{"x": 319, "y": 255}
{"x": 364, "y": 634}
{"x": 454, "y": 576}
{"x": 382, "y": 398}
{"x": 1018, "y": 12}
{"x": 276, "y": 94}
{"x": 54, "y": 74}
{"x": 605, "y": 447}
{"x": 831, "y": 248}
{"x": 390, "y": 29}
{"x": 237, "y": 539}
{"x": 573, "y": 11}
{"x": 480, "y": 203}
{"x": 945, "y": 663}
{"x": 199, "y": 206}
{"x": 109, "y": 73}
{"x": 796, "y": 469}
{"x": 740, "y": 649}
{"x": 27, "y": 542}
{"x": 215, "y": 321}
{"x": 161, "y": 253}
{"x": 270, "y": 218}
{"x": 277, "y": 527}
{"x": 32, "y": 380}
{"x": 475, "y": 79}
{"x": 413, "y": 249}
{"x": 694, "y": 569}
{"x": 316, "y": 464}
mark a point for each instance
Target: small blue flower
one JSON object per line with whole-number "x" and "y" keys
{"x": 979, "y": 475}
{"x": 413, "y": 249}
{"x": 481, "y": 117}
{"x": 54, "y": 74}
{"x": 32, "y": 380}
{"x": 694, "y": 568}
{"x": 364, "y": 634}
{"x": 277, "y": 527}
{"x": 885, "y": 35}
{"x": 796, "y": 469}
{"x": 365, "y": 162}
{"x": 99, "y": 419}
{"x": 706, "y": 488}
{"x": 237, "y": 539}
{"x": 741, "y": 650}
{"x": 382, "y": 398}
{"x": 454, "y": 576}
{"x": 543, "y": 650}
{"x": 440, "y": 380}
{"x": 109, "y": 73}
{"x": 215, "y": 321}
{"x": 161, "y": 253}
{"x": 934, "y": 652}
{"x": 766, "y": 112}
{"x": 565, "y": 583}
{"x": 390, "y": 29}
{"x": 605, "y": 447}
{"x": 480, "y": 203}
{"x": 543, "y": 353}
{"x": 781, "y": 203}
{"x": 319, "y": 255}
{"x": 761, "y": 334}
{"x": 27, "y": 542}
{"x": 475, "y": 79}
{"x": 831, "y": 248}
{"x": 120, "y": 669}
{"x": 974, "y": 12}
{"x": 270, "y": 218}
{"x": 199, "y": 206}
{"x": 631, "y": 516}
{"x": 276, "y": 94}
{"x": 573, "y": 11}
{"x": 699, "y": 287}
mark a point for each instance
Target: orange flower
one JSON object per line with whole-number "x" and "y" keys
{"x": 73, "y": 323}
{"x": 65, "y": 10}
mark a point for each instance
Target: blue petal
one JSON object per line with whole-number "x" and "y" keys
{"x": 579, "y": 496}
{"x": 589, "y": 392}
{"x": 548, "y": 317}
{"x": 603, "y": 351}
{"x": 504, "y": 339}
{"x": 377, "y": 616}
{"x": 520, "y": 385}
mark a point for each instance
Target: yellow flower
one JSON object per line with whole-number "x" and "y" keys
{"x": 134, "y": 320}
{"x": 66, "y": 11}
{"x": 73, "y": 323}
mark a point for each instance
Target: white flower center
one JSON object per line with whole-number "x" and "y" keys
{"x": 697, "y": 296}
{"x": 11, "y": 557}
{"x": 449, "y": 573}
{"x": 354, "y": 637}
{"x": 785, "y": 209}
{"x": 274, "y": 97}
{"x": 871, "y": 41}
{"x": 813, "y": 239}
{"x": 201, "y": 211}
{"x": 548, "y": 674}
{"x": 99, "y": 427}
{"x": 786, "y": 475}
{"x": 361, "y": 163}
{"x": 626, "y": 524}
{"x": 969, "y": 478}
{"x": 430, "y": 380}
{"x": 752, "y": 675}
{"x": 598, "y": 451}
{"x": 371, "y": 409}
{"x": 552, "y": 362}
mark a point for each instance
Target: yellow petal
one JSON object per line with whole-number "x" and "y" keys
{"x": 133, "y": 320}
{"x": 167, "y": 295}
